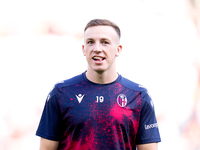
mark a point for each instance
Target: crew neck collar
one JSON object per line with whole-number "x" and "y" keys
{"x": 86, "y": 79}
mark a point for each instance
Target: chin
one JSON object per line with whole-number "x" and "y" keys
{"x": 99, "y": 70}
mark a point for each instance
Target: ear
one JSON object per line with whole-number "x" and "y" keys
{"x": 83, "y": 50}
{"x": 119, "y": 50}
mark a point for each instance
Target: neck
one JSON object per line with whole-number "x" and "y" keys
{"x": 101, "y": 77}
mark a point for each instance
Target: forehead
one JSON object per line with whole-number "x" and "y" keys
{"x": 101, "y": 32}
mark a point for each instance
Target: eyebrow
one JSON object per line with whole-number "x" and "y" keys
{"x": 105, "y": 39}
{"x": 102, "y": 39}
{"x": 88, "y": 39}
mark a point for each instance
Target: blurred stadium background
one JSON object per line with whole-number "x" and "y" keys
{"x": 40, "y": 44}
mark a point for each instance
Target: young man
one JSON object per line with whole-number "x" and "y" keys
{"x": 99, "y": 109}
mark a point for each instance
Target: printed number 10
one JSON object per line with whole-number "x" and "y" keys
{"x": 99, "y": 99}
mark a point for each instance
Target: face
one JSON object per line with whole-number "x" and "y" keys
{"x": 101, "y": 47}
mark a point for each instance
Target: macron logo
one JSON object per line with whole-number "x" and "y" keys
{"x": 79, "y": 97}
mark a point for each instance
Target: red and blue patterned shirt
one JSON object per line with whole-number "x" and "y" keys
{"x": 83, "y": 115}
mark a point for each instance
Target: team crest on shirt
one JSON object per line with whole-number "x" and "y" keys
{"x": 121, "y": 100}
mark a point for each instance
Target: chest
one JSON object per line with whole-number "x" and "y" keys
{"x": 99, "y": 105}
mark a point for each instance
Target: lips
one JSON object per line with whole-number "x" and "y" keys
{"x": 97, "y": 58}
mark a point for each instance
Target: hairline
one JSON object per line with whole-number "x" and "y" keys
{"x": 103, "y": 22}
{"x": 118, "y": 39}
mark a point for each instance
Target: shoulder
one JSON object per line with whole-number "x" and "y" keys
{"x": 71, "y": 81}
{"x": 133, "y": 85}
{"x": 64, "y": 83}
{"x": 140, "y": 89}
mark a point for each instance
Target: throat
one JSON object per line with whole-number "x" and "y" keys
{"x": 101, "y": 77}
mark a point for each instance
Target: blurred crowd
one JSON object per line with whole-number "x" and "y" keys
{"x": 37, "y": 51}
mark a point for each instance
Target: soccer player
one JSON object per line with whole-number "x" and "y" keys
{"x": 99, "y": 109}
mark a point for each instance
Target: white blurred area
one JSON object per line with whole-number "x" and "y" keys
{"x": 41, "y": 41}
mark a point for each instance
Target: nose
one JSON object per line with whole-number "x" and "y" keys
{"x": 97, "y": 48}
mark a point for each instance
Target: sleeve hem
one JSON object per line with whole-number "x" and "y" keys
{"x": 149, "y": 141}
{"x": 47, "y": 136}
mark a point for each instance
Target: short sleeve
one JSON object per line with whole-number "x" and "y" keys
{"x": 148, "y": 127}
{"x": 50, "y": 120}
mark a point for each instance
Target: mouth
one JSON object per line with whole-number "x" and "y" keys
{"x": 96, "y": 58}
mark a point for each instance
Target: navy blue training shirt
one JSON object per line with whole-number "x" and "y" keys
{"x": 84, "y": 115}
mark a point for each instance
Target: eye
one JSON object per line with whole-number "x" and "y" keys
{"x": 90, "y": 42}
{"x": 105, "y": 42}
